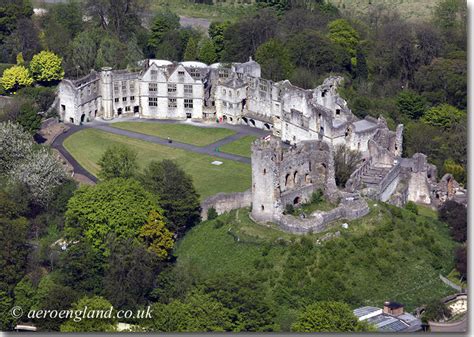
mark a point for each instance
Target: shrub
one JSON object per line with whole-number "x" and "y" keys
{"x": 211, "y": 213}
{"x": 317, "y": 196}
{"x": 412, "y": 207}
{"x": 289, "y": 209}
{"x": 218, "y": 224}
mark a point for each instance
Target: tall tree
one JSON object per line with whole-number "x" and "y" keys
{"x": 207, "y": 52}
{"x": 175, "y": 192}
{"x": 275, "y": 60}
{"x": 97, "y": 324}
{"x": 191, "y": 52}
{"x": 118, "y": 162}
{"x": 46, "y": 67}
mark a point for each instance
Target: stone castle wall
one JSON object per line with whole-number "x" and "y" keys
{"x": 225, "y": 202}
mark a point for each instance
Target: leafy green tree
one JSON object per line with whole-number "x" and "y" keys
{"x": 163, "y": 23}
{"x": 25, "y": 293}
{"x": 455, "y": 215}
{"x": 457, "y": 170}
{"x": 16, "y": 145}
{"x": 79, "y": 324}
{"x": 6, "y": 319}
{"x": 361, "y": 70}
{"x": 317, "y": 53}
{"x": 411, "y": 104}
{"x": 118, "y": 162}
{"x": 10, "y": 13}
{"x": 197, "y": 313}
{"x": 117, "y": 206}
{"x": 46, "y": 67}
{"x": 444, "y": 116}
{"x": 412, "y": 207}
{"x": 176, "y": 194}
{"x": 460, "y": 260}
{"x": 16, "y": 77}
{"x": 130, "y": 273}
{"x": 156, "y": 236}
{"x": 81, "y": 268}
{"x": 82, "y": 53}
{"x": 191, "y": 52}
{"x": 275, "y": 60}
{"x": 342, "y": 33}
{"x": 328, "y": 316}
{"x": 216, "y": 33}
{"x": 211, "y": 213}
{"x": 29, "y": 118}
{"x": 207, "y": 52}
{"x": 444, "y": 81}
{"x": 435, "y": 311}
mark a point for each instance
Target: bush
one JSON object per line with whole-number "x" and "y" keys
{"x": 289, "y": 209}
{"x": 218, "y": 224}
{"x": 317, "y": 196}
{"x": 211, "y": 213}
{"x": 412, "y": 207}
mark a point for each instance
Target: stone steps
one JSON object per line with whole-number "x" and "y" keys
{"x": 374, "y": 175}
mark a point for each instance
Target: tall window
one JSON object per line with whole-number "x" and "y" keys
{"x": 132, "y": 98}
{"x": 188, "y": 89}
{"x": 172, "y": 88}
{"x": 188, "y": 103}
{"x": 172, "y": 103}
{"x": 152, "y": 101}
{"x": 124, "y": 86}
{"x": 195, "y": 73}
{"x": 116, "y": 88}
{"x": 154, "y": 75}
{"x": 152, "y": 88}
{"x": 132, "y": 87}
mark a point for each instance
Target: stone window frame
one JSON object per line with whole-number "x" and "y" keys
{"x": 152, "y": 88}
{"x": 127, "y": 108}
{"x": 132, "y": 98}
{"x": 117, "y": 100}
{"x": 188, "y": 89}
{"x": 172, "y": 103}
{"x": 188, "y": 103}
{"x": 172, "y": 88}
{"x": 152, "y": 102}
{"x": 154, "y": 75}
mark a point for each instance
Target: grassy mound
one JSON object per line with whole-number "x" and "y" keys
{"x": 390, "y": 254}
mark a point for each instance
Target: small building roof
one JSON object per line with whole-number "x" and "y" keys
{"x": 393, "y": 305}
{"x": 194, "y": 64}
{"x": 366, "y": 311}
{"x": 363, "y": 125}
{"x": 160, "y": 63}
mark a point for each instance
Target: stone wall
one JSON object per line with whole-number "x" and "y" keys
{"x": 225, "y": 202}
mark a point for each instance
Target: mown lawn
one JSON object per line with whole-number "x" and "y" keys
{"x": 188, "y": 134}
{"x": 87, "y": 146}
{"x": 241, "y": 147}
{"x": 390, "y": 254}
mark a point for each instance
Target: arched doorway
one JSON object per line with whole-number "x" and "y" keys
{"x": 296, "y": 201}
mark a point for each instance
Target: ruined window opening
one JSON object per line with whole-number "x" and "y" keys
{"x": 231, "y": 119}
{"x": 296, "y": 201}
{"x": 323, "y": 93}
{"x": 429, "y": 176}
{"x": 264, "y": 171}
{"x": 307, "y": 179}
{"x": 321, "y": 129}
{"x": 338, "y": 112}
{"x": 252, "y": 122}
{"x": 71, "y": 120}
{"x": 263, "y": 208}
{"x": 119, "y": 111}
{"x": 136, "y": 109}
{"x": 287, "y": 180}
{"x": 267, "y": 126}
{"x": 63, "y": 108}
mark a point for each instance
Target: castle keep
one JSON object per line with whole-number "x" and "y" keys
{"x": 298, "y": 159}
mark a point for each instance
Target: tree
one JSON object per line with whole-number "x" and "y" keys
{"x": 207, "y": 52}
{"x": 46, "y": 67}
{"x": 217, "y": 35}
{"x": 117, "y": 206}
{"x": 111, "y": 53}
{"x": 16, "y": 77}
{"x": 460, "y": 260}
{"x": 444, "y": 116}
{"x": 342, "y": 33}
{"x": 156, "y": 236}
{"x": 328, "y": 316}
{"x": 411, "y": 104}
{"x": 191, "y": 52}
{"x": 345, "y": 162}
{"x": 176, "y": 194}
{"x": 15, "y": 146}
{"x": 457, "y": 170}
{"x": 41, "y": 173}
{"x": 29, "y": 118}
{"x": 361, "y": 70}
{"x": 275, "y": 60}
{"x": 444, "y": 81}
{"x": 96, "y": 324}
{"x": 10, "y": 13}
{"x": 130, "y": 273}
{"x": 82, "y": 53}
{"x": 163, "y": 23}
{"x": 317, "y": 53}
{"x": 81, "y": 268}
{"x": 118, "y": 162}
{"x": 455, "y": 215}
{"x": 436, "y": 311}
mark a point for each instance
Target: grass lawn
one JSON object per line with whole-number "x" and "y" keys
{"x": 224, "y": 11}
{"x": 181, "y": 133}
{"x": 239, "y": 147}
{"x": 390, "y": 254}
{"x": 87, "y": 146}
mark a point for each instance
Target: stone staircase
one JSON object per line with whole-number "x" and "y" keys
{"x": 372, "y": 176}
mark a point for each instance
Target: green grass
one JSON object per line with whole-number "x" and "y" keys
{"x": 409, "y": 9}
{"x": 390, "y": 254}
{"x": 224, "y": 11}
{"x": 241, "y": 147}
{"x": 87, "y": 147}
{"x": 189, "y": 134}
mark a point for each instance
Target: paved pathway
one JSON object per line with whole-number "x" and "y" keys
{"x": 211, "y": 149}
